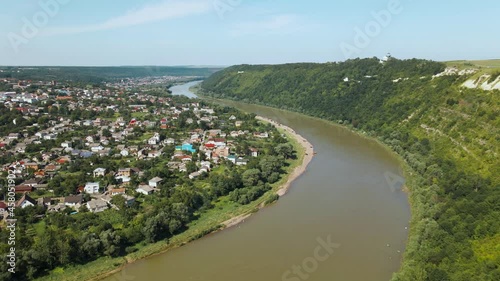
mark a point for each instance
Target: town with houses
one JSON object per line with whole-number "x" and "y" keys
{"x": 58, "y": 131}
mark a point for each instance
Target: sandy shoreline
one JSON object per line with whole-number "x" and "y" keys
{"x": 309, "y": 154}
{"x": 297, "y": 172}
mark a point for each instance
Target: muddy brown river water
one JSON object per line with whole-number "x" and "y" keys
{"x": 342, "y": 220}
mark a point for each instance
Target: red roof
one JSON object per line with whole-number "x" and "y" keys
{"x": 23, "y": 188}
{"x": 210, "y": 145}
{"x": 3, "y": 205}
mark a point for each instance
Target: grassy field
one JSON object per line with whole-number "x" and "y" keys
{"x": 209, "y": 222}
{"x": 486, "y": 66}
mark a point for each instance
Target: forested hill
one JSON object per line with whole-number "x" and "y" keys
{"x": 448, "y": 135}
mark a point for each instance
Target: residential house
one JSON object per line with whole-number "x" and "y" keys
{"x": 26, "y": 201}
{"x": 154, "y": 154}
{"x": 50, "y": 137}
{"x": 86, "y": 154}
{"x": 154, "y": 182}
{"x": 99, "y": 172}
{"x": 31, "y": 182}
{"x": 56, "y": 208}
{"x": 264, "y": 135}
{"x": 21, "y": 148}
{"x": 194, "y": 175}
{"x": 97, "y": 205}
{"x": 92, "y": 188}
{"x": 129, "y": 200}
{"x": 186, "y": 147}
{"x": 254, "y": 152}
{"x": 66, "y": 144}
{"x": 45, "y": 202}
{"x": 96, "y": 147}
{"x": 145, "y": 189}
{"x": 154, "y": 140}
{"x": 232, "y": 159}
{"x": 13, "y": 136}
{"x": 124, "y": 153}
{"x": 241, "y": 162}
{"x": 32, "y": 166}
{"x": 124, "y": 172}
{"x": 117, "y": 191}
{"x": 24, "y": 189}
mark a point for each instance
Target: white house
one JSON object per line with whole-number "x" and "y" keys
{"x": 241, "y": 162}
{"x": 99, "y": 172}
{"x": 154, "y": 154}
{"x": 124, "y": 153}
{"x": 194, "y": 175}
{"x": 154, "y": 140}
{"x": 144, "y": 189}
{"x": 97, "y": 148}
{"x": 124, "y": 179}
{"x": 65, "y": 144}
{"x": 204, "y": 169}
{"x": 26, "y": 201}
{"x": 13, "y": 136}
{"x": 96, "y": 206}
{"x": 40, "y": 134}
{"x": 154, "y": 182}
{"x": 92, "y": 187}
{"x": 50, "y": 137}
{"x": 254, "y": 152}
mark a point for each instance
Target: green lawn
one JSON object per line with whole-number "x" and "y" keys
{"x": 486, "y": 66}
{"x": 139, "y": 115}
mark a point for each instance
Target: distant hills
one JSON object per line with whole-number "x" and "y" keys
{"x": 101, "y": 74}
{"x": 444, "y": 126}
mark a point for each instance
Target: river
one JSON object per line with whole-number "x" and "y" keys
{"x": 183, "y": 89}
{"x": 344, "y": 198}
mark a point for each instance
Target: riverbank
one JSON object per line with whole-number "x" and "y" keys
{"x": 308, "y": 154}
{"x": 221, "y": 217}
{"x": 406, "y": 172}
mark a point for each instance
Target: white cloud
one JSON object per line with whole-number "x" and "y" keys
{"x": 164, "y": 10}
{"x": 278, "y": 23}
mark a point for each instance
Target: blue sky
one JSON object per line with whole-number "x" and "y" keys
{"x": 227, "y": 32}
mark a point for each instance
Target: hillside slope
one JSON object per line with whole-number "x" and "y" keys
{"x": 448, "y": 135}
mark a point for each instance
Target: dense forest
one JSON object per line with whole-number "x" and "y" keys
{"x": 100, "y": 74}
{"x": 447, "y": 135}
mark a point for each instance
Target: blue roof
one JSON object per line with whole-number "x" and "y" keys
{"x": 186, "y": 147}
{"x": 86, "y": 154}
